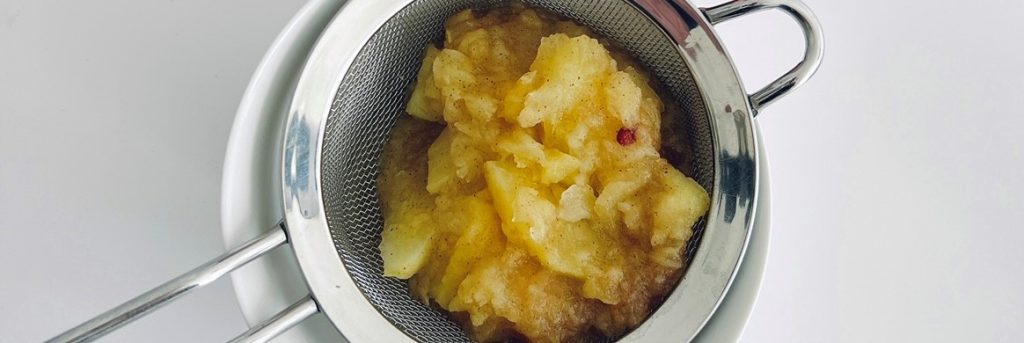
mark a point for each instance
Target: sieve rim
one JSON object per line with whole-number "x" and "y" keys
{"x": 684, "y": 312}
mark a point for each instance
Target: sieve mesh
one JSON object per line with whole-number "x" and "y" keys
{"x": 373, "y": 94}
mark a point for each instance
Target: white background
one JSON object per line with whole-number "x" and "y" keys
{"x": 897, "y": 194}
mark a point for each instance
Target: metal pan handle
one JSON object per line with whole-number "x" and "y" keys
{"x": 184, "y": 284}
{"x": 812, "y": 36}
{"x": 280, "y": 323}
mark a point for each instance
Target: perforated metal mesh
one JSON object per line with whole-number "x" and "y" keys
{"x": 373, "y": 94}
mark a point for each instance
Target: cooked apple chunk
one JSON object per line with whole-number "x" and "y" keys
{"x": 526, "y": 193}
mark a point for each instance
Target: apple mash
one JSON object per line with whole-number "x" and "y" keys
{"x": 526, "y": 194}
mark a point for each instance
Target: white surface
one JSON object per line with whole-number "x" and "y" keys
{"x": 896, "y": 190}
{"x": 114, "y": 118}
{"x": 896, "y": 195}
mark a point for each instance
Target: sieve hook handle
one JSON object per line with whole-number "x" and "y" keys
{"x": 813, "y": 38}
{"x": 188, "y": 282}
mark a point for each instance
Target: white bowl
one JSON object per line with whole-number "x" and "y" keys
{"x": 251, "y": 200}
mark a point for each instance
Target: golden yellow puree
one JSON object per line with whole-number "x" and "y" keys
{"x": 527, "y": 197}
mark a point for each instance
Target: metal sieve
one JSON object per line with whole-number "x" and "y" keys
{"x": 353, "y": 88}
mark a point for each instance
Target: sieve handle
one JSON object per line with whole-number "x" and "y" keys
{"x": 812, "y": 36}
{"x": 174, "y": 289}
{"x": 280, "y": 323}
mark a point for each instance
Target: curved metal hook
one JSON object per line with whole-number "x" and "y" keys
{"x": 812, "y": 34}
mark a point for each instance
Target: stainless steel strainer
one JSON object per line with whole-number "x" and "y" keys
{"x": 353, "y": 88}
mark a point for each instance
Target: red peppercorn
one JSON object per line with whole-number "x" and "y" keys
{"x": 626, "y": 136}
